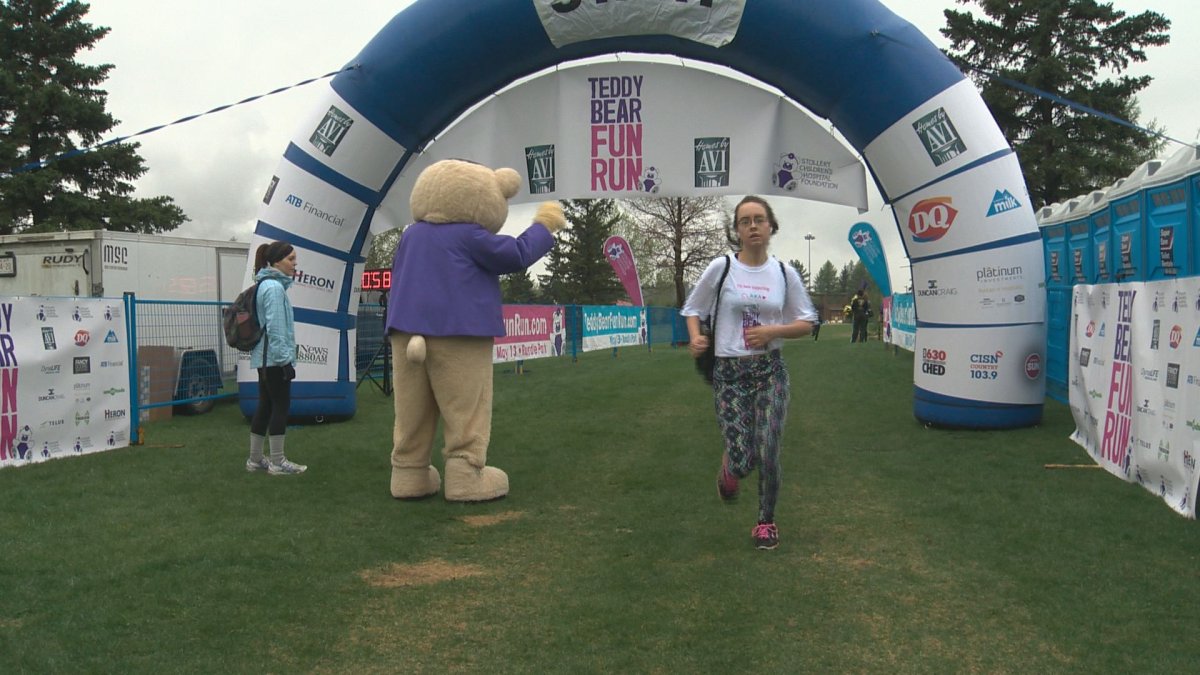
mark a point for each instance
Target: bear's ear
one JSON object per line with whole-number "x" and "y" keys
{"x": 509, "y": 181}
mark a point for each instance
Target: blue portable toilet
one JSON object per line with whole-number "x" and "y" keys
{"x": 1169, "y": 234}
{"x": 1052, "y": 224}
{"x": 1079, "y": 243}
{"x": 1101, "y": 222}
{"x": 1127, "y": 205}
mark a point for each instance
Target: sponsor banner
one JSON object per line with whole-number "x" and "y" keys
{"x": 948, "y": 132}
{"x": 995, "y": 286}
{"x": 1134, "y": 386}
{"x": 317, "y": 281}
{"x": 64, "y": 378}
{"x": 620, "y": 256}
{"x": 336, "y": 135}
{"x": 998, "y": 365}
{"x": 866, "y": 243}
{"x": 629, "y": 130}
{"x": 900, "y": 320}
{"x": 531, "y": 332}
{"x": 980, "y": 206}
{"x": 570, "y": 21}
{"x": 607, "y": 327}
{"x": 296, "y": 201}
{"x": 317, "y": 349}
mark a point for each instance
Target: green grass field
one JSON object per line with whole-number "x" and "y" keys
{"x": 903, "y": 549}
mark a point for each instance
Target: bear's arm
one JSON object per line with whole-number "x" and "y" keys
{"x": 501, "y": 254}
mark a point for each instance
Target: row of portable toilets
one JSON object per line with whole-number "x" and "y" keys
{"x": 1144, "y": 227}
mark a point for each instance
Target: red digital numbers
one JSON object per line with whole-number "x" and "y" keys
{"x": 377, "y": 279}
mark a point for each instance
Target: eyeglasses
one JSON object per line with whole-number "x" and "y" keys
{"x": 757, "y": 220}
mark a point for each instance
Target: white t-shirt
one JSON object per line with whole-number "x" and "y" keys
{"x": 751, "y": 296}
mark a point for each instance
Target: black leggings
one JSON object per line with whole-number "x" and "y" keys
{"x": 274, "y": 399}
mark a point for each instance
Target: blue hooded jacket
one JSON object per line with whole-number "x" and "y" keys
{"x": 275, "y": 315}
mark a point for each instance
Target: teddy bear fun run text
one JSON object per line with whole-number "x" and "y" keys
{"x": 616, "y": 132}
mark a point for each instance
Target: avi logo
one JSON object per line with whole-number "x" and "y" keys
{"x": 940, "y": 138}
{"x": 331, "y": 131}
{"x": 1002, "y": 202}
{"x": 539, "y": 165}
{"x": 931, "y": 218}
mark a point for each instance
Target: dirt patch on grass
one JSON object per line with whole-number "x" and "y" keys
{"x": 426, "y": 573}
{"x": 10, "y": 623}
{"x": 493, "y": 519}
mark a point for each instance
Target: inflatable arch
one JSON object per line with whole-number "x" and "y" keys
{"x": 932, "y": 147}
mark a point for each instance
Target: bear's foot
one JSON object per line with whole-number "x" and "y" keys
{"x": 465, "y": 483}
{"x": 415, "y": 483}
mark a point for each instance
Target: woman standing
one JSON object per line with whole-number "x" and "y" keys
{"x": 275, "y": 358}
{"x": 761, "y": 302}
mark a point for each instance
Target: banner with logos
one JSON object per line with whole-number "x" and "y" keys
{"x": 629, "y": 130}
{"x": 866, "y": 243}
{"x": 1134, "y": 383}
{"x": 531, "y": 332}
{"x": 620, "y": 256}
{"x": 607, "y": 327}
{"x": 64, "y": 373}
{"x": 900, "y": 321}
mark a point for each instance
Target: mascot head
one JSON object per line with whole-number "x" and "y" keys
{"x": 459, "y": 191}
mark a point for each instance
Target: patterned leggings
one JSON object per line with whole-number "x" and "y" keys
{"x": 752, "y": 396}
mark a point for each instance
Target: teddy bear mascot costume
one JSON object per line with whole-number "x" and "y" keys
{"x": 443, "y": 315}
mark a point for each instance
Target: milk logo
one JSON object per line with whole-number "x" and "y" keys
{"x": 940, "y": 138}
{"x": 111, "y": 338}
{"x": 331, "y": 131}
{"x": 712, "y": 161}
{"x": 539, "y": 165}
{"x": 271, "y": 190}
{"x": 1002, "y": 202}
{"x": 930, "y": 219}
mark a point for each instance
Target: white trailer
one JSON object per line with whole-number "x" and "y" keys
{"x": 99, "y": 263}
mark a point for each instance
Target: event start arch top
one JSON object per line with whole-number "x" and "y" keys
{"x": 924, "y": 132}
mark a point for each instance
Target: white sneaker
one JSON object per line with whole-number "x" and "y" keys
{"x": 285, "y": 468}
{"x": 261, "y": 465}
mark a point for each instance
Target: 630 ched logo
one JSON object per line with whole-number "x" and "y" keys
{"x": 933, "y": 361}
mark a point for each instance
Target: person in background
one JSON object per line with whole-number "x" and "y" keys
{"x": 860, "y": 311}
{"x": 275, "y": 358}
{"x": 762, "y": 302}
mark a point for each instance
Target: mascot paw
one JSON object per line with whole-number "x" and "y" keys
{"x": 415, "y": 353}
{"x": 465, "y": 483}
{"x": 415, "y": 483}
{"x": 551, "y": 215}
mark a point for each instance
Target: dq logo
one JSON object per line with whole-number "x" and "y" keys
{"x": 1091, "y": 329}
{"x": 1176, "y": 336}
{"x": 82, "y": 337}
{"x": 931, "y": 218}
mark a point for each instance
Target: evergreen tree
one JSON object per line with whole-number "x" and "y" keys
{"x": 683, "y": 235}
{"x": 518, "y": 289}
{"x": 801, "y": 270}
{"x": 1062, "y": 47}
{"x": 576, "y": 269}
{"x": 48, "y": 103}
{"x": 827, "y": 280}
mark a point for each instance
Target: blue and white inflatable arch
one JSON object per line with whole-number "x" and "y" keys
{"x": 931, "y": 144}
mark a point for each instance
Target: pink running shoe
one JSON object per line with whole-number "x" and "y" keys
{"x": 727, "y": 483}
{"x": 766, "y": 536}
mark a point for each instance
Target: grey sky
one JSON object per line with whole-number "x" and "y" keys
{"x": 180, "y": 58}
